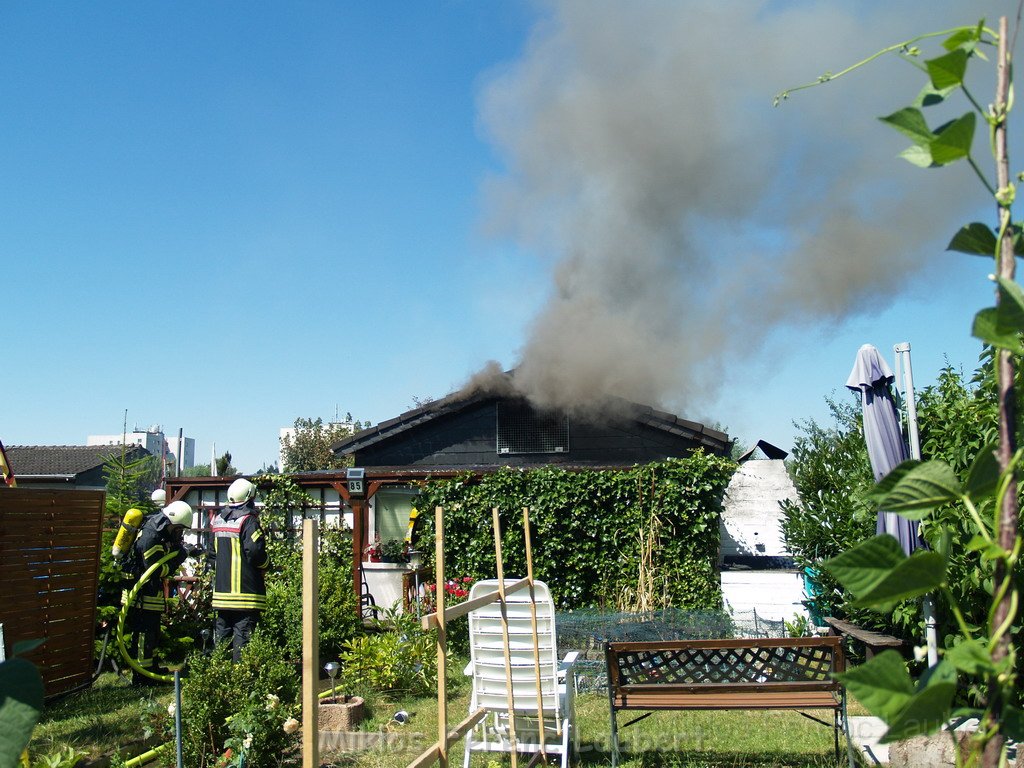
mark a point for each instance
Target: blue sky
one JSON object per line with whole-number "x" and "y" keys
{"x": 222, "y": 217}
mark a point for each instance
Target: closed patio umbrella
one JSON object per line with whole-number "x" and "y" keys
{"x": 872, "y": 377}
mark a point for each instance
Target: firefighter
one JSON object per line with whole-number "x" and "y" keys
{"x": 239, "y": 583}
{"x": 161, "y": 534}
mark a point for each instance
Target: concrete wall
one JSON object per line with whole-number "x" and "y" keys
{"x": 751, "y": 528}
{"x": 751, "y": 518}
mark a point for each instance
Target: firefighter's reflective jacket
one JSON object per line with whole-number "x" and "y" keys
{"x": 153, "y": 543}
{"x": 242, "y": 560}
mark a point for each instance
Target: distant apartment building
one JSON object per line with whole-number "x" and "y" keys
{"x": 154, "y": 441}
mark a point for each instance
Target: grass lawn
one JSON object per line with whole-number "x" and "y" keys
{"x": 115, "y": 716}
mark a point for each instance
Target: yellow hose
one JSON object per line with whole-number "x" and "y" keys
{"x": 145, "y": 757}
{"x": 132, "y": 662}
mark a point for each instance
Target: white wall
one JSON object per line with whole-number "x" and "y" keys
{"x": 774, "y": 595}
{"x": 751, "y": 518}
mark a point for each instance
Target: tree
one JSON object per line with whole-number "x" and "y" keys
{"x": 310, "y": 448}
{"x": 224, "y": 467}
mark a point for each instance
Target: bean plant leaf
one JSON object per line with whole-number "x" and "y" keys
{"x": 963, "y": 38}
{"x": 1010, "y": 309}
{"x": 928, "y": 708}
{"x": 911, "y": 123}
{"x": 930, "y": 96}
{"x": 879, "y": 574}
{"x": 919, "y": 156}
{"x": 976, "y": 239}
{"x": 953, "y": 140}
{"x": 986, "y": 328}
{"x": 882, "y": 684}
{"x": 984, "y": 474}
{"x": 918, "y": 489}
{"x": 947, "y": 71}
{"x": 971, "y": 657}
{"x": 21, "y": 702}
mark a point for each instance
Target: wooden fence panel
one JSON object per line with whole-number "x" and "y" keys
{"x": 49, "y": 578}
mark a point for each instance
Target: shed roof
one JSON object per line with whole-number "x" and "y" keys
{"x": 62, "y": 460}
{"x": 642, "y": 414}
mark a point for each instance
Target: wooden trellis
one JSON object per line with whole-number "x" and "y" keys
{"x": 438, "y": 752}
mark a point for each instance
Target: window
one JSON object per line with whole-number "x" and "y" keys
{"x": 521, "y": 429}
{"x": 391, "y": 508}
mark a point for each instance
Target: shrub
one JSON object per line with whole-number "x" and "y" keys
{"x": 233, "y": 705}
{"x": 338, "y": 617}
{"x": 399, "y": 658}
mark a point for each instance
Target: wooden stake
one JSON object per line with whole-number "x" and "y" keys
{"x": 310, "y": 646}
{"x": 536, "y": 636}
{"x": 504, "y": 636}
{"x": 442, "y": 641}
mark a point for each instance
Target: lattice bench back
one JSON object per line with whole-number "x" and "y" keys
{"x": 805, "y": 661}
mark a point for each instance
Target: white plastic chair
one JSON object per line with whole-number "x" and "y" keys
{"x": 490, "y": 679}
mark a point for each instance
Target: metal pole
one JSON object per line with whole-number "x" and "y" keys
{"x": 177, "y": 715}
{"x": 904, "y": 366}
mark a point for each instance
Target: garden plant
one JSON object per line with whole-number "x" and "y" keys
{"x": 877, "y": 571}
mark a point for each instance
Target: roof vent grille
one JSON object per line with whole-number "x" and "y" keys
{"x": 521, "y": 429}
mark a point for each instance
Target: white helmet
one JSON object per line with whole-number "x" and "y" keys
{"x": 159, "y": 497}
{"x": 240, "y": 491}
{"x": 179, "y": 513}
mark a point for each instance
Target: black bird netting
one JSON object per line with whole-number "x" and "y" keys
{"x": 587, "y": 630}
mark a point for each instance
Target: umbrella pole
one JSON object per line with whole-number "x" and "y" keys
{"x": 902, "y": 351}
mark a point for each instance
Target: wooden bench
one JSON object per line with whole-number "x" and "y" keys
{"x": 743, "y": 674}
{"x": 874, "y": 642}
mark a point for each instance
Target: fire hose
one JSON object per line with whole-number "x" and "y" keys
{"x": 128, "y": 602}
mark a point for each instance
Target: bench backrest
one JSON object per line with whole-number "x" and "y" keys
{"x": 786, "y": 663}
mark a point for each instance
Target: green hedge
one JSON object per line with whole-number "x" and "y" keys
{"x": 633, "y": 539}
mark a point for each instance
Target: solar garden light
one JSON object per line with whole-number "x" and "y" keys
{"x": 331, "y": 668}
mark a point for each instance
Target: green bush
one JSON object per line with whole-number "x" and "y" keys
{"x": 398, "y": 658}
{"x": 957, "y": 416}
{"x": 236, "y": 706}
{"x": 338, "y": 615}
{"x": 634, "y": 539}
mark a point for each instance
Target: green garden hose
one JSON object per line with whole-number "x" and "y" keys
{"x": 129, "y": 601}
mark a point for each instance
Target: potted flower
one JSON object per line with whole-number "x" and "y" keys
{"x": 393, "y": 551}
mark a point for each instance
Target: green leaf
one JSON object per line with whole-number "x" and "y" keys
{"x": 910, "y": 122}
{"x": 984, "y": 474}
{"x": 919, "y": 156}
{"x": 953, "y": 141}
{"x": 976, "y": 239}
{"x": 919, "y": 574}
{"x": 947, "y": 71}
{"x": 971, "y": 657}
{"x": 879, "y": 574}
{"x": 882, "y": 684}
{"x": 965, "y": 37}
{"x": 986, "y": 328}
{"x": 928, "y": 709}
{"x": 930, "y": 96}
{"x": 1010, "y": 309}
{"x": 21, "y": 701}
{"x": 918, "y": 490}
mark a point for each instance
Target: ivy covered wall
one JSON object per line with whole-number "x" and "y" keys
{"x": 636, "y": 539}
